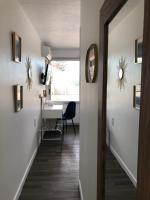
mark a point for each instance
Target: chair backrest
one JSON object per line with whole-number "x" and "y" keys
{"x": 70, "y": 110}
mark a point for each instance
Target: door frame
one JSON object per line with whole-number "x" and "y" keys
{"x": 108, "y": 11}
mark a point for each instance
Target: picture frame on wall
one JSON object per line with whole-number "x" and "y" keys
{"x": 16, "y": 47}
{"x": 138, "y": 50}
{"x": 18, "y": 97}
{"x": 91, "y": 66}
{"x": 137, "y": 96}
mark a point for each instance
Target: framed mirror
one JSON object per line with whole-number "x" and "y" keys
{"x": 16, "y": 47}
{"x": 123, "y": 132}
{"x": 91, "y": 66}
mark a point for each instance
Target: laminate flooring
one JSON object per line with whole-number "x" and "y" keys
{"x": 54, "y": 173}
{"x": 118, "y": 185}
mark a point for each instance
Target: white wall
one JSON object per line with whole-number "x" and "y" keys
{"x": 88, "y": 102}
{"x": 124, "y": 133}
{"x": 18, "y": 135}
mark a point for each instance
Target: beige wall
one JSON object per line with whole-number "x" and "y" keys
{"x": 18, "y": 134}
{"x": 65, "y": 53}
{"x": 88, "y": 102}
{"x": 124, "y": 132}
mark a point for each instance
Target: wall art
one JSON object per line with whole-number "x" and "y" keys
{"x": 16, "y": 47}
{"x": 137, "y": 96}
{"x": 91, "y": 67}
{"x": 18, "y": 97}
{"x": 138, "y": 50}
{"x": 29, "y": 73}
{"x": 122, "y": 73}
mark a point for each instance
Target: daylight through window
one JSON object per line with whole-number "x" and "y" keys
{"x": 65, "y": 80}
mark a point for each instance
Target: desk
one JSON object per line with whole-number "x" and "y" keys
{"x": 52, "y": 112}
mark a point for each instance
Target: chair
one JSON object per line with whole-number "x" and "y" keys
{"x": 69, "y": 115}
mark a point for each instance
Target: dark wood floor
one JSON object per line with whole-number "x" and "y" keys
{"x": 54, "y": 174}
{"x": 118, "y": 185}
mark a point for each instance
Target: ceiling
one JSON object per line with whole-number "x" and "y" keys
{"x": 56, "y": 21}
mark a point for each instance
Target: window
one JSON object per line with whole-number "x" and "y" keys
{"x": 65, "y": 81}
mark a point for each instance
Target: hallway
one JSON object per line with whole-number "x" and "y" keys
{"x": 54, "y": 174}
{"x": 117, "y": 183}
{"x": 95, "y": 56}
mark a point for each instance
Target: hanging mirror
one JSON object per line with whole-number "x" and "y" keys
{"x": 122, "y": 125}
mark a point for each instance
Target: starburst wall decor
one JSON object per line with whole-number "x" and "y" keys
{"x": 29, "y": 73}
{"x": 122, "y": 73}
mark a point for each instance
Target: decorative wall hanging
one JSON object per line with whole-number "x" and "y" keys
{"x": 91, "y": 67}
{"x": 44, "y": 93}
{"x": 16, "y": 47}
{"x": 121, "y": 73}
{"x": 138, "y": 50}
{"x": 136, "y": 96}
{"x": 29, "y": 73}
{"x": 18, "y": 97}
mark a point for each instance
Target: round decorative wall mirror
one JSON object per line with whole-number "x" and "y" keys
{"x": 121, "y": 73}
{"x": 91, "y": 67}
{"x": 29, "y": 73}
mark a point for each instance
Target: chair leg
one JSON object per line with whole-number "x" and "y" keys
{"x": 63, "y": 127}
{"x": 56, "y": 123}
{"x": 74, "y": 127}
{"x": 66, "y": 126}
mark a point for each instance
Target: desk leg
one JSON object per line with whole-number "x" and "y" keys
{"x": 56, "y": 123}
{"x": 63, "y": 127}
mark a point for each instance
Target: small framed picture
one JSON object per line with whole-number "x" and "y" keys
{"x": 44, "y": 93}
{"x": 91, "y": 67}
{"x": 137, "y": 96}
{"x": 138, "y": 50}
{"x": 16, "y": 47}
{"x": 18, "y": 97}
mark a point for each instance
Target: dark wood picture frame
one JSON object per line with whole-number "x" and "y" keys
{"x": 18, "y": 97}
{"x": 138, "y": 50}
{"x": 16, "y": 47}
{"x": 108, "y": 11}
{"x": 91, "y": 62}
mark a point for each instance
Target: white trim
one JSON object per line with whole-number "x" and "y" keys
{"x": 16, "y": 197}
{"x": 124, "y": 166}
{"x": 80, "y": 189}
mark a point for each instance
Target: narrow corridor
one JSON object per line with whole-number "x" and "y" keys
{"x": 54, "y": 174}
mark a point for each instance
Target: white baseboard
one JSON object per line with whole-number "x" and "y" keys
{"x": 124, "y": 166}
{"x": 16, "y": 197}
{"x": 80, "y": 188}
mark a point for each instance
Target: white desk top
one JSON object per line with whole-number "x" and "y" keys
{"x": 52, "y": 112}
{"x": 53, "y": 107}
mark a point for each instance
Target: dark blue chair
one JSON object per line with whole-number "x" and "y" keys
{"x": 69, "y": 115}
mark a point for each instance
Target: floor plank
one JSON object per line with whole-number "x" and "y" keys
{"x": 118, "y": 185}
{"x": 54, "y": 174}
